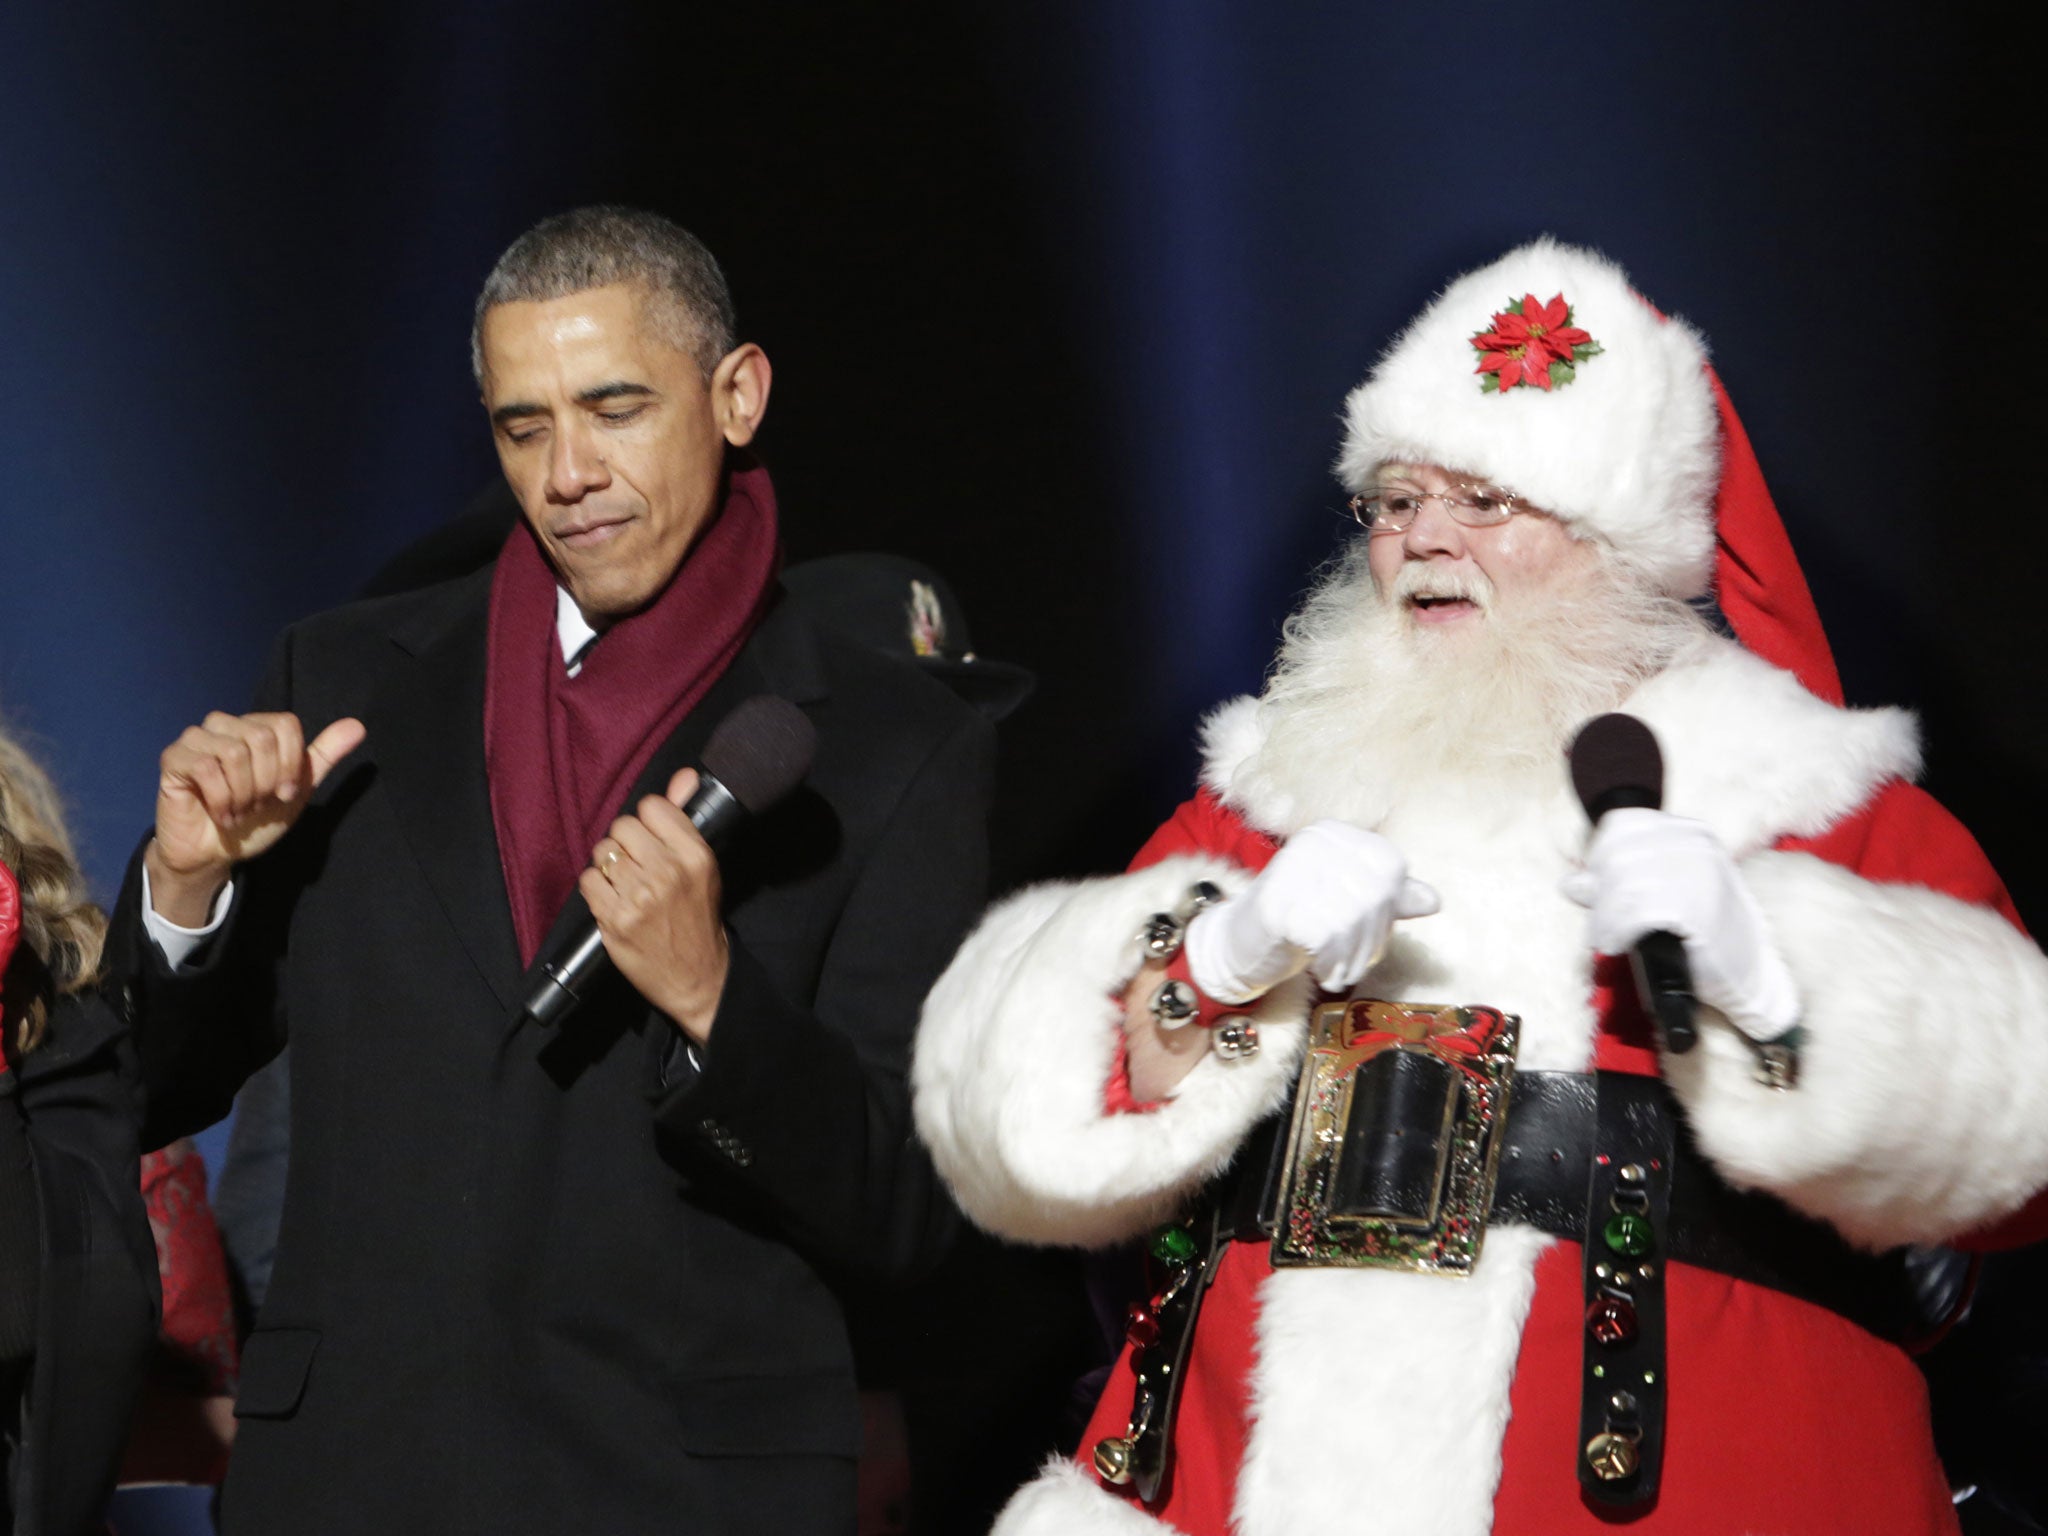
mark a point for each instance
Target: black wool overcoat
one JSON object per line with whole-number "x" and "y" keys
{"x": 547, "y": 1282}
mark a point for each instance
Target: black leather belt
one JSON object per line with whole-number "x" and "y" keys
{"x": 1546, "y": 1157}
{"x": 1601, "y": 1158}
{"x": 1549, "y": 1142}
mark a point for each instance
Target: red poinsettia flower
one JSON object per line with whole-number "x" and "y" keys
{"x": 1527, "y": 339}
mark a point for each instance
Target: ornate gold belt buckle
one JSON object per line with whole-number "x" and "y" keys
{"x": 1392, "y": 1152}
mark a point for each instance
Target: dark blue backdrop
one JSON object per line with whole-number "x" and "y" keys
{"x": 1063, "y": 298}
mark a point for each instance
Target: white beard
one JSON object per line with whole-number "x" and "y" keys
{"x": 1365, "y": 707}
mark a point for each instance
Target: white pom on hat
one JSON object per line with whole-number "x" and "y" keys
{"x": 1627, "y": 450}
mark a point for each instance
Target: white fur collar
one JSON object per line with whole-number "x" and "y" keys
{"x": 1746, "y": 750}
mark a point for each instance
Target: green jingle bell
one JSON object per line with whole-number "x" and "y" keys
{"x": 1173, "y": 1245}
{"x": 1627, "y": 1234}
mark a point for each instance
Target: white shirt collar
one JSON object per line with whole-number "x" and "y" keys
{"x": 572, "y": 629}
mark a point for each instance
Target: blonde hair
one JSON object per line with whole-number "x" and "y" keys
{"x": 62, "y": 931}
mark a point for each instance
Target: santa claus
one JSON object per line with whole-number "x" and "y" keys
{"x": 1449, "y": 1232}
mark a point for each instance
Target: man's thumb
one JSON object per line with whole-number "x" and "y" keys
{"x": 682, "y": 786}
{"x": 332, "y": 745}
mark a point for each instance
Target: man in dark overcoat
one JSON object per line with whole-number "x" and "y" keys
{"x": 532, "y": 1279}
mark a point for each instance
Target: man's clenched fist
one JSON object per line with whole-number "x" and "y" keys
{"x": 227, "y": 789}
{"x": 654, "y": 889}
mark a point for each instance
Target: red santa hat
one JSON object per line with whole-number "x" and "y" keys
{"x": 1547, "y": 373}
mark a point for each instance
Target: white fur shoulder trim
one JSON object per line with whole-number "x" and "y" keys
{"x": 1922, "y": 1106}
{"x": 1231, "y": 733}
{"x": 1018, "y": 1042}
{"x": 1754, "y": 755}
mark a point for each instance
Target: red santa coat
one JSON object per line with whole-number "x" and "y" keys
{"x": 1347, "y": 1400}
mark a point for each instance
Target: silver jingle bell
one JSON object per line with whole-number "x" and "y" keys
{"x": 1236, "y": 1038}
{"x": 1174, "y": 1003}
{"x": 1161, "y": 936}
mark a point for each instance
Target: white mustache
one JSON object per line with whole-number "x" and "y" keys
{"x": 1423, "y": 579}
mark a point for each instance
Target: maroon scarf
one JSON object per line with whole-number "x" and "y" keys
{"x": 561, "y": 752}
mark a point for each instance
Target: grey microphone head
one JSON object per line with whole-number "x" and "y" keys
{"x": 761, "y": 751}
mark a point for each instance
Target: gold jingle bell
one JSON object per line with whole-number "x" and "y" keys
{"x": 1612, "y": 1457}
{"x": 1113, "y": 1459}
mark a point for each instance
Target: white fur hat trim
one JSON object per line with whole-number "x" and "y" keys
{"x": 1629, "y": 450}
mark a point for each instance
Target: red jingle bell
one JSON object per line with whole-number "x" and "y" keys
{"x": 1141, "y": 1327}
{"x": 1611, "y": 1321}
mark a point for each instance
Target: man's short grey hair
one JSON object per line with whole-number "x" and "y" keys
{"x": 595, "y": 247}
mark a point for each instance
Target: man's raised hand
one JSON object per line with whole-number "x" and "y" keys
{"x": 227, "y": 790}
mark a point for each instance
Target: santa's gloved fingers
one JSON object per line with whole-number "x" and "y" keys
{"x": 1738, "y": 969}
{"x": 1649, "y": 872}
{"x": 1418, "y": 899}
{"x": 1341, "y": 965}
{"x": 1329, "y": 877}
{"x": 1232, "y": 956}
{"x": 1771, "y": 1004}
{"x": 1620, "y": 915}
{"x": 1338, "y": 967}
{"x": 1324, "y": 902}
{"x": 1640, "y": 830}
{"x": 1344, "y": 843}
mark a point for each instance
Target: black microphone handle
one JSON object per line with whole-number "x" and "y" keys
{"x": 1664, "y": 983}
{"x": 715, "y": 811}
{"x": 562, "y": 982}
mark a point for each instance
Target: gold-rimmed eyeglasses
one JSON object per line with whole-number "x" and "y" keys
{"x": 1392, "y": 508}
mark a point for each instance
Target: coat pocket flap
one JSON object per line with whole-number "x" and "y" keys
{"x": 275, "y": 1365}
{"x": 767, "y": 1415}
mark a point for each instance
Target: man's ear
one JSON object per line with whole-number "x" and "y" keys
{"x": 739, "y": 392}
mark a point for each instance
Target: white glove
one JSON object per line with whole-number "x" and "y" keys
{"x": 1648, "y": 872}
{"x": 1325, "y": 904}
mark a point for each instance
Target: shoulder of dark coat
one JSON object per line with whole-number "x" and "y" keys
{"x": 412, "y": 620}
{"x": 874, "y": 690}
{"x": 83, "y": 1027}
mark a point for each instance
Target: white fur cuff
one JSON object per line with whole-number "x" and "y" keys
{"x": 1064, "y": 1500}
{"x": 1922, "y": 1106}
{"x": 1019, "y": 1040}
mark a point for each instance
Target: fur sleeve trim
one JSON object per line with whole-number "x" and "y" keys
{"x": 1922, "y": 1106}
{"x": 1018, "y": 1041}
{"x": 1065, "y": 1500}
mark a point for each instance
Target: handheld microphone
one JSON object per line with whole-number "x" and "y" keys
{"x": 1615, "y": 764}
{"x": 756, "y": 756}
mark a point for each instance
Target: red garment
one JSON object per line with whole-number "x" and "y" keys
{"x": 10, "y": 935}
{"x": 1757, "y": 580}
{"x": 1783, "y": 1417}
{"x": 199, "y": 1319}
{"x": 561, "y": 752}
{"x": 183, "y": 1429}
